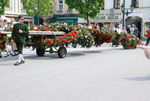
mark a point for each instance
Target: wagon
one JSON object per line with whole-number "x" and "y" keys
{"x": 41, "y": 49}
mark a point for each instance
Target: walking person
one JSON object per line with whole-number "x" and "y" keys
{"x": 129, "y": 29}
{"x": 132, "y": 29}
{"x": 19, "y": 35}
{"x": 117, "y": 36}
{"x": 148, "y": 36}
{"x": 136, "y": 31}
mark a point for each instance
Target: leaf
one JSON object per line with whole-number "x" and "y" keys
{"x": 38, "y": 7}
{"x": 86, "y": 8}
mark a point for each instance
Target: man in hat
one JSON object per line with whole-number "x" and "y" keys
{"x": 19, "y": 35}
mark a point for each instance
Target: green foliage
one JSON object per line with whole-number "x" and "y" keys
{"x": 85, "y": 40}
{"x": 129, "y": 41}
{"x": 3, "y": 3}
{"x": 86, "y": 8}
{"x": 3, "y": 39}
{"x": 38, "y": 7}
{"x": 101, "y": 36}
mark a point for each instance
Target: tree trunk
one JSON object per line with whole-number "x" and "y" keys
{"x": 87, "y": 18}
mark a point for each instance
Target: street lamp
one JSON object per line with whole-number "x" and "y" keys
{"x": 125, "y": 12}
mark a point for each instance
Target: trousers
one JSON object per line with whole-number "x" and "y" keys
{"x": 19, "y": 47}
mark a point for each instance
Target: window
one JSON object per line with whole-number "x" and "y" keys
{"x": 60, "y": 5}
{"x": 117, "y": 4}
{"x": 135, "y": 3}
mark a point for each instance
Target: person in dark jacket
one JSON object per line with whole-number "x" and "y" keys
{"x": 19, "y": 36}
{"x": 128, "y": 29}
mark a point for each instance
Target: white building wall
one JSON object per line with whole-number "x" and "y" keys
{"x": 15, "y": 7}
{"x": 108, "y": 4}
{"x": 144, "y": 3}
{"x": 142, "y": 12}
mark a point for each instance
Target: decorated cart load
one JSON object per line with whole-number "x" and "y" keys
{"x": 56, "y": 37}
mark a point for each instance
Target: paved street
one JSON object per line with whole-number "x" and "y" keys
{"x": 96, "y": 74}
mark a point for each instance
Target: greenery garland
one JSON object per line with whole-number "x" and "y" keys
{"x": 3, "y": 39}
{"x": 78, "y": 36}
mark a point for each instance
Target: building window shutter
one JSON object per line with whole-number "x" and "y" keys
{"x": 117, "y": 4}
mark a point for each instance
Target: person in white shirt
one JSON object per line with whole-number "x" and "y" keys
{"x": 117, "y": 28}
{"x": 132, "y": 29}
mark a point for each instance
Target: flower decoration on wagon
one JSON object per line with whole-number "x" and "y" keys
{"x": 3, "y": 40}
{"x": 129, "y": 41}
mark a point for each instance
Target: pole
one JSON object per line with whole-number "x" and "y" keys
{"x": 38, "y": 2}
{"x": 123, "y": 22}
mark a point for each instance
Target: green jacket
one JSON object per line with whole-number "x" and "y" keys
{"x": 20, "y": 37}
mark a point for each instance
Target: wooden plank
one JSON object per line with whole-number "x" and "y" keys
{"x": 39, "y": 32}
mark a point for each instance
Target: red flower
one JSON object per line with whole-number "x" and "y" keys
{"x": 2, "y": 46}
{"x": 55, "y": 39}
{"x": 74, "y": 35}
{"x": 129, "y": 46}
{"x": 55, "y": 43}
{"x": 61, "y": 37}
{"x": 1, "y": 36}
{"x": 38, "y": 28}
{"x": 38, "y": 41}
{"x": 48, "y": 28}
{"x": 45, "y": 29}
{"x": 11, "y": 29}
{"x": 65, "y": 41}
{"x": 48, "y": 44}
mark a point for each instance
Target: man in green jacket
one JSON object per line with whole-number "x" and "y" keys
{"x": 19, "y": 36}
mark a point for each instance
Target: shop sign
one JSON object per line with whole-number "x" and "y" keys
{"x": 136, "y": 13}
{"x": 107, "y": 15}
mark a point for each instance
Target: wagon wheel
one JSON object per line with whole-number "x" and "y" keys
{"x": 62, "y": 52}
{"x": 40, "y": 51}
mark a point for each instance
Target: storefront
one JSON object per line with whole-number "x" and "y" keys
{"x": 146, "y": 20}
{"x": 64, "y": 18}
{"x": 141, "y": 18}
{"x": 108, "y": 18}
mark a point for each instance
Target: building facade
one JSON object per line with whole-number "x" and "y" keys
{"x": 60, "y": 13}
{"x": 113, "y": 13}
{"x": 15, "y": 8}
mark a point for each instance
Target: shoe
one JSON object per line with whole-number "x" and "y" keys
{"x": 6, "y": 55}
{"x": 22, "y": 61}
{"x": 17, "y": 63}
{"x": 14, "y": 54}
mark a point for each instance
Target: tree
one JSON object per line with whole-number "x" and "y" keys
{"x": 37, "y": 7}
{"x": 86, "y": 8}
{"x": 3, "y": 3}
